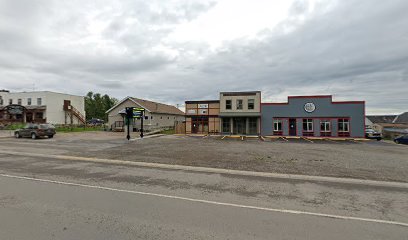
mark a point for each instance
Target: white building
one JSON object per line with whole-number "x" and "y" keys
{"x": 41, "y": 107}
{"x": 157, "y": 115}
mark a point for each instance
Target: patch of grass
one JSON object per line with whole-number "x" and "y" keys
{"x": 14, "y": 126}
{"x": 168, "y": 131}
{"x": 67, "y": 128}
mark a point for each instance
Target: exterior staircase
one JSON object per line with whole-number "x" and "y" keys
{"x": 71, "y": 112}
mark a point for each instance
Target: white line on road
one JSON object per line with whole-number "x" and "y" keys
{"x": 212, "y": 202}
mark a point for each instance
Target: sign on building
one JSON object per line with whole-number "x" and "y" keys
{"x": 309, "y": 107}
{"x": 203, "y": 105}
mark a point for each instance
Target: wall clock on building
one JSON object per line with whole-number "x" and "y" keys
{"x": 310, "y": 107}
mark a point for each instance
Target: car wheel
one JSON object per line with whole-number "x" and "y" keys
{"x": 50, "y": 136}
{"x": 396, "y": 141}
{"x": 378, "y": 139}
{"x": 33, "y": 136}
{"x": 17, "y": 135}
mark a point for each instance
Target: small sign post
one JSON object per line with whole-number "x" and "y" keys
{"x": 139, "y": 112}
{"x": 129, "y": 116}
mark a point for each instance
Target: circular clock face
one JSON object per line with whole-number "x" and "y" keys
{"x": 310, "y": 107}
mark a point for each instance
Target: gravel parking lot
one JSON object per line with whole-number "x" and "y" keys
{"x": 368, "y": 160}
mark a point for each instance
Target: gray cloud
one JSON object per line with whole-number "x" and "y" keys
{"x": 354, "y": 50}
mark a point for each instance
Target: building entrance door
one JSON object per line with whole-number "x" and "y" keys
{"x": 239, "y": 126}
{"x": 194, "y": 127}
{"x": 292, "y": 126}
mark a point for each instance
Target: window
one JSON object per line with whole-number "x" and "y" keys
{"x": 151, "y": 117}
{"x": 1, "y": 101}
{"x": 253, "y": 125}
{"x": 226, "y": 125}
{"x": 28, "y": 101}
{"x": 239, "y": 104}
{"x": 168, "y": 117}
{"x": 344, "y": 127}
{"x": 325, "y": 126}
{"x": 307, "y": 127}
{"x": 277, "y": 125}
{"x": 228, "y": 104}
{"x": 10, "y": 101}
{"x": 19, "y": 101}
{"x": 161, "y": 117}
{"x": 251, "y": 103}
{"x": 39, "y": 101}
{"x": 325, "y": 130}
{"x": 39, "y": 115}
{"x": 146, "y": 117}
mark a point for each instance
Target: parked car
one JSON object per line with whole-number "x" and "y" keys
{"x": 96, "y": 121}
{"x": 34, "y": 131}
{"x": 401, "y": 139}
{"x": 372, "y": 134}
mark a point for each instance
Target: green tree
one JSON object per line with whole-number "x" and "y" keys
{"x": 96, "y": 105}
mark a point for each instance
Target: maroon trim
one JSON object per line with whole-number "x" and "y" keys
{"x": 349, "y": 102}
{"x": 275, "y": 103}
{"x": 312, "y": 96}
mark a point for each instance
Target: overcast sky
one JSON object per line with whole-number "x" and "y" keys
{"x": 177, "y": 50}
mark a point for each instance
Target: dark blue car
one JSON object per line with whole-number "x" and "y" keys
{"x": 401, "y": 139}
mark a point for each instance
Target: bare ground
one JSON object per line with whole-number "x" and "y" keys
{"x": 368, "y": 160}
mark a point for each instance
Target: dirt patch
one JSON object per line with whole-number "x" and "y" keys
{"x": 371, "y": 160}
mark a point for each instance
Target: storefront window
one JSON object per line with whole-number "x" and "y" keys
{"x": 325, "y": 130}
{"x": 226, "y": 125}
{"x": 253, "y": 125}
{"x": 239, "y": 104}
{"x": 277, "y": 125}
{"x": 344, "y": 127}
{"x": 325, "y": 126}
{"x": 308, "y": 125}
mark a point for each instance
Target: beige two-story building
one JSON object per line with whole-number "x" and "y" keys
{"x": 240, "y": 113}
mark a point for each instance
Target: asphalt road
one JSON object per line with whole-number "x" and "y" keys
{"x": 45, "y": 198}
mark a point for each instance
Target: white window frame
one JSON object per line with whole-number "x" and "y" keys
{"x": 309, "y": 125}
{"x": 327, "y": 125}
{"x": 343, "y": 122}
{"x": 276, "y": 123}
